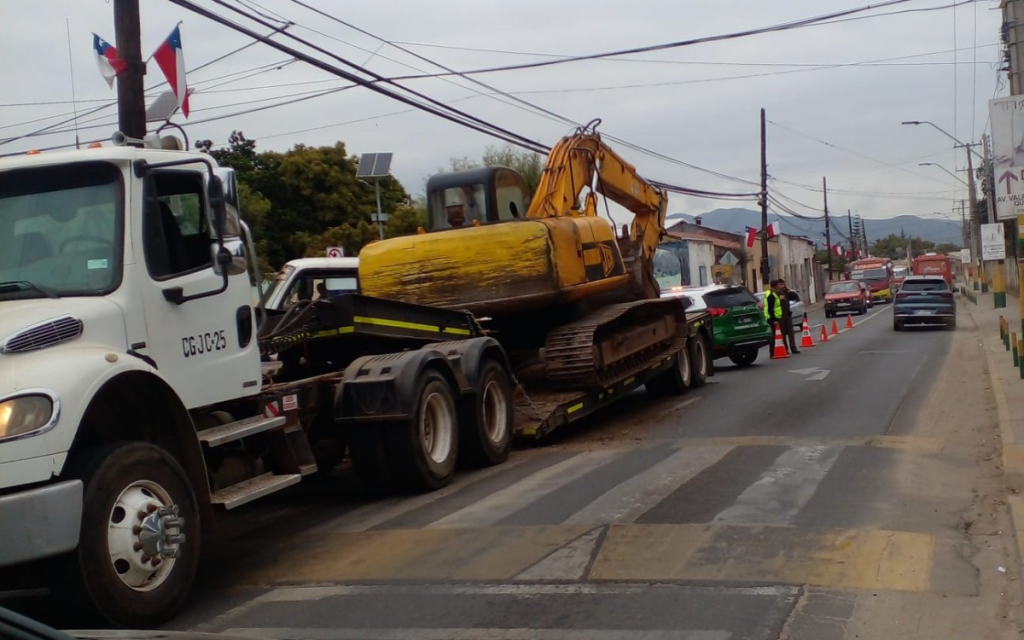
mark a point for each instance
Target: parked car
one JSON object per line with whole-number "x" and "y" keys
{"x": 847, "y": 295}
{"x": 737, "y": 320}
{"x": 795, "y": 306}
{"x": 924, "y": 300}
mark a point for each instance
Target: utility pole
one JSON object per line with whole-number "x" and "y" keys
{"x": 131, "y": 103}
{"x": 864, "y": 233}
{"x": 765, "y": 265}
{"x": 849, "y": 225}
{"x": 975, "y": 221}
{"x": 828, "y": 230}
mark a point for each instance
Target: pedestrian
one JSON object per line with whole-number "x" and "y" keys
{"x": 772, "y": 313}
{"x": 785, "y": 297}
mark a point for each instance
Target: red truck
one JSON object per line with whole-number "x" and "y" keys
{"x": 934, "y": 264}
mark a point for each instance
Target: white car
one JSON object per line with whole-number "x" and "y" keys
{"x": 306, "y": 278}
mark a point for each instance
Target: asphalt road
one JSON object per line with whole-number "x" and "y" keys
{"x": 811, "y": 497}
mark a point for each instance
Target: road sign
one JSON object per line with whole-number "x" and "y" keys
{"x": 993, "y": 243}
{"x": 1007, "y": 116}
{"x": 965, "y": 256}
{"x": 379, "y": 217}
{"x": 335, "y": 252}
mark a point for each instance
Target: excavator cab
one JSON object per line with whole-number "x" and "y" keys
{"x": 475, "y": 197}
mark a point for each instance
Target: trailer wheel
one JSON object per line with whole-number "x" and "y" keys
{"x": 674, "y": 381}
{"x": 424, "y": 448}
{"x": 139, "y": 543}
{"x": 485, "y": 424}
{"x": 699, "y": 360}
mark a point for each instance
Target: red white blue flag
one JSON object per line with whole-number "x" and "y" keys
{"x": 751, "y": 235}
{"x": 172, "y": 62}
{"x": 106, "y": 58}
{"x": 774, "y": 229}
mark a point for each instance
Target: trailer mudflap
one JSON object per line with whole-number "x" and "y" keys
{"x": 538, "y": 414}
{"x": 383, "y": 388}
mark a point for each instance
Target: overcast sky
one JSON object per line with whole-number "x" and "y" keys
{"x": 698, "y": 104}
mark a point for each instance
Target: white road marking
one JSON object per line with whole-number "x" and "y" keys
{"x": 814, "y": 373}
{"x": 678, "y": 405}
{"x": 629, "y": 499}
{"x": 783, "y": 490}
{"x": 481, "y": 634}
{"x": 505, "y": 502}
{"x": 313, "y": 593}
{"x": 568, "y": 563}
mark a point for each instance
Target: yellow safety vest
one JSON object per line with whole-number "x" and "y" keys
{"x": 772, "y": 298}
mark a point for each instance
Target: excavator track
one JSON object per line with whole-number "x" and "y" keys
{"x": 612, "y": 340}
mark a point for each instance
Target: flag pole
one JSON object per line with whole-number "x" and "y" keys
{"x": 71, "y": 65}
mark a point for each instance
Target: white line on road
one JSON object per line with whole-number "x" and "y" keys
{"x": 783, "y": 490}
{"x": 678, "y": 405}
{"x": 312, "y": 593}
{"x": 507, "y": 501}
{"x": 482, "y": 634}
{"x": 632, "y": 497}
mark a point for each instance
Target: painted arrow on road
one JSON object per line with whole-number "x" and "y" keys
{"x": 813, "y": 373}
{"x": 1009, "y": 177}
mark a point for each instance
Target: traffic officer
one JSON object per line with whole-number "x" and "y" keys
{"x": 773, "y": 312}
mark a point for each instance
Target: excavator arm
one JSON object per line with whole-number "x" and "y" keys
{"x": 572, "y": 166}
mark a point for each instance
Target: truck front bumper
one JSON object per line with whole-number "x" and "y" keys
{"x": 40, "y": 523}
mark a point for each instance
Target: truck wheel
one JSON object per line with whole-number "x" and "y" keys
{"x": 699, "y": 360}
{"x": 674, "y": 381}
{"x": 424, "y": 448}
{"x": 744, "y": 358}
{"x": 368, "y": 449}
{"x": 139, "y": 543}
{"x": 485, "y": 424}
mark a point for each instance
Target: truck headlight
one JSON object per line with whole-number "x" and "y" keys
{"x": 25, "y": 414}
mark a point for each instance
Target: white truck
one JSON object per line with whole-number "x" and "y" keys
{"x": 142, "y": 393}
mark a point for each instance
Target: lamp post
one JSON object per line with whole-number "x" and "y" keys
{"x": 936, "y": 164}
{"x": 975, "y": 222}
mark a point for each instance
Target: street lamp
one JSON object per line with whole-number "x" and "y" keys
{"x": 935, "y": 164}
{"x": 975, "y": 222}
{"x": 947, "y": 134}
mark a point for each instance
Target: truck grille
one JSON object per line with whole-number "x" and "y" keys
{"x": 45, "y": 334}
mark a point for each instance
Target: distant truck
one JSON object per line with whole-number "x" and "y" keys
{"x": 934, "y": 264}
{"x": 877, "y": 274}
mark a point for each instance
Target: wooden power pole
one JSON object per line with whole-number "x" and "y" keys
{"x": 765, "y": 265}
{"x": 828, "y": 230}
{"x": 131, "y": 103}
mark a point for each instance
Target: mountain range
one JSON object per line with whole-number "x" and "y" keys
{"x": 736, "y": 220}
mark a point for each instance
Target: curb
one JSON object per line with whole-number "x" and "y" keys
{"x": 1012, "y": 454}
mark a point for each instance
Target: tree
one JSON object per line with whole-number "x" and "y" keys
{"x": 946, "y": 247}
{"x": 838, "y": 262}
{"x": 309, "y": 198}
{"x": 895, "y": 248}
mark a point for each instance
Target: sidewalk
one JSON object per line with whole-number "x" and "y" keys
{"x": 1008, "y": 389}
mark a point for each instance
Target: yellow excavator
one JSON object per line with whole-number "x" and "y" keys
{"x": 554, "y": 275}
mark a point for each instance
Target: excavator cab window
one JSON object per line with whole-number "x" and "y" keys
{"x": 477, "y": 196}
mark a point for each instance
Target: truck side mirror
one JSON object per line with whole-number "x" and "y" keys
{"x": 218, "y": 205}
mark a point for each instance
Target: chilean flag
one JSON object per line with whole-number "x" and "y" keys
{"x": 837, "y": 249}
{"x": 106, "y": 58}
{"x": 774, "y": 229}
{"x": 751, "y": 234}
{"x": 172, "y": 62}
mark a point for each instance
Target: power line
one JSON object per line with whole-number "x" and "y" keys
{"x": 785, "y": 26}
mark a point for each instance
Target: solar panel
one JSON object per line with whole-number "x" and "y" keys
{"x": 374, "y": 165}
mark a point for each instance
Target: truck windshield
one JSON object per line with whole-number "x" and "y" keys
{"x": 60, "y": 230}
{"x": 870, "y": 275}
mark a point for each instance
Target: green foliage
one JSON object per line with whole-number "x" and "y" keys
{"x": 838, "y": 262}
{"x": 308, "y": 198}
{"x": 895, "y": 248}
{"x": 946, "y": 247}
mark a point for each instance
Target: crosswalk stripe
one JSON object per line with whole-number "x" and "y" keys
{"x": 480, "y": 634}
{"x": 634, "y": 496}
{"x": 509, "y": 500}
{"x": 781, "y": 491}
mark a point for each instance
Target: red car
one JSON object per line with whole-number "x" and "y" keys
{"x": 847, "y": 295}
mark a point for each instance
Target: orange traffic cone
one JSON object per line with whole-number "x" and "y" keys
{"x": 779, "y": 350}
{"x": 835, "y": 328}
{"x": 806, "y": 340}
{"x": 849, "y": 322}
{"x": 824, "y": 334}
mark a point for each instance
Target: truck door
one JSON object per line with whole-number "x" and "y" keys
{"x": 205, "y": 348}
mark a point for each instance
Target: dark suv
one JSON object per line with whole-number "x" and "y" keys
{"x": 924, "y": 300}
